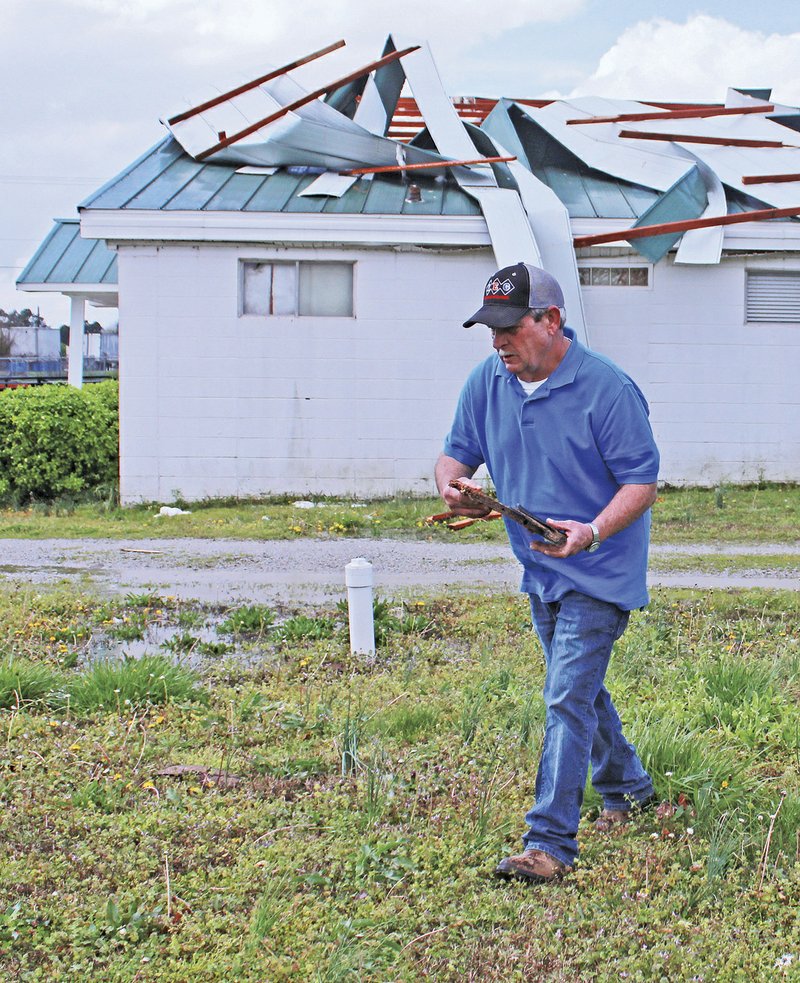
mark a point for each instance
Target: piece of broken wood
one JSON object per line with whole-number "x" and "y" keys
{"x": 208, "y": 776}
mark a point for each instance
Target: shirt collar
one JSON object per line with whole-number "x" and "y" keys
{"x": 564, "y": 373}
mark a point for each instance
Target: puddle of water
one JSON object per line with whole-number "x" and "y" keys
{"x": 191, "y": 647}
{"x": 11, "y": 568}
{"x": 195, "y": 646}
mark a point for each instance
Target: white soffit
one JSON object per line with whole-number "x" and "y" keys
{"x": 550, "y": 222}
{"x": 443, "y": 122}
{"x": 328, "y": 185}
{"x": 704, "y": 246}
{"x": 509, "y": 229}
{"x": 371, "y": 112}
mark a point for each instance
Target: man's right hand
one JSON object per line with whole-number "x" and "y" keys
{"x": 448, "y": 468}
{"x": 455, "y": 501}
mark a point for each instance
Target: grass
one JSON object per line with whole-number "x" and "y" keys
{"x": 359, "y": 805}
{"x": 352, "y": 809}
{"x": 785, "y": 564}
{"x": 738, "y": 514}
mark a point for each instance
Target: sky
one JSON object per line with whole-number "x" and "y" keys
{"x": 85, "y": 82}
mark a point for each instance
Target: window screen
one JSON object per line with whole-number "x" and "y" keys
{"x": 772, "y": 296}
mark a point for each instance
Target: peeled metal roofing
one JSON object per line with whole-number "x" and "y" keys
{"x": 65, "y": 258}
{"x": 596, "y": 169}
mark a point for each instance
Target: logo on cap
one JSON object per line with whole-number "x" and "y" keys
{"x": 497, "y": 287}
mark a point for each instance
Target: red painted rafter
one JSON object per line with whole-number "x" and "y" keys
{"x": 428, "y": 164}
{"x": 226, "y": 141}
{"x": 686, "y": 225}
{"x": 695, "y": 138}
{"x": 704, "y": 113}
{"x": 770, "y": 178}
{"x": 217, "y": 100}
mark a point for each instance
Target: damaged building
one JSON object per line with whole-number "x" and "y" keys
{"x": 292, "y": 269}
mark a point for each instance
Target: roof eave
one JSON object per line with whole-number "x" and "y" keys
{"x": 140, "y": 225}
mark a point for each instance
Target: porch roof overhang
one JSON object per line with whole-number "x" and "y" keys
{"x": 72, "y": 265}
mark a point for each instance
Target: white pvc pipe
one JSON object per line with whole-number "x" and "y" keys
{"x": 358, "y": 578}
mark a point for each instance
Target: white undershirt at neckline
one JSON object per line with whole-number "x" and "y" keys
{"x": 531, "y": 387}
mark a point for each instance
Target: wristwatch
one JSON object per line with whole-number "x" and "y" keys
{"x": 595, "y": 543}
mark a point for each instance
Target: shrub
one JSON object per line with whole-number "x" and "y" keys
{"x": 57, "y": 440}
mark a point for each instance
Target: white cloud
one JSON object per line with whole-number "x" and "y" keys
{"x": 695, "y": 62}
{"x": 216, "y": 31}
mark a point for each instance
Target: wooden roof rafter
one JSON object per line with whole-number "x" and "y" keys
{"x": 698, "y": 138}
{"x": 227, "y": 141}
{"x": 247, "y": 86}
{"x": 770, "y": 178}
{"x": 440, "y": 165}
{"x": 706, "y": 112}
{"x": 685, "y": 225}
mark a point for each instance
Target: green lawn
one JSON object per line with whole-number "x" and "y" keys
{"x": 352, "y": 810}
{"x": 726, "y": 515}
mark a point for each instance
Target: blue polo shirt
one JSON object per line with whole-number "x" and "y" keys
{"x": 563, "y": 452}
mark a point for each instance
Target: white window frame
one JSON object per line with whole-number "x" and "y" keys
{"x": 297, "y": 264}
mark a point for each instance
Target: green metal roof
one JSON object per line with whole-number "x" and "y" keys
{"x": 167, "y": 178}
{"x": 64, "y": 258}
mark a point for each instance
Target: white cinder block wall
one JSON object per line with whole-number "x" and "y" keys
{"x": 724, "y": 398}
{"x": 216, "y": 404}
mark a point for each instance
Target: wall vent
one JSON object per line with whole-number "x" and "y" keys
{"x": 773, "y": 296}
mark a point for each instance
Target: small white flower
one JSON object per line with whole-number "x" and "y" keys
{"x": 689, "y": 831}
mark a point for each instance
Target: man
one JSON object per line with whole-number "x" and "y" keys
{"x": 565, "y": 433}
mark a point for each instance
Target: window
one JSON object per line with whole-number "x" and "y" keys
{"x": 306, "y": 289}
{"x": 614, "y": 276}
{"x": 772, "y": 296}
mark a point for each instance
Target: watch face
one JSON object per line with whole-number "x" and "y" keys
{"x": 593, "y": 548}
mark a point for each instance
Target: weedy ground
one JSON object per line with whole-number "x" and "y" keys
{"x": 248, "y": 800}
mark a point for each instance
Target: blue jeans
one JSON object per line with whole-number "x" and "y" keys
{"x": 577, "y": 634}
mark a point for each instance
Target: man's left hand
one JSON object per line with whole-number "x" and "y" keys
{"x": 579, "y": 536}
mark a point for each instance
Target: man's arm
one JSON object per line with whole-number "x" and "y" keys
{"x": 446, "y": 469}
{"x": 625, "y": 507}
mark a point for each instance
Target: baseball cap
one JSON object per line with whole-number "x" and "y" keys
{"x": 512, "y": 292}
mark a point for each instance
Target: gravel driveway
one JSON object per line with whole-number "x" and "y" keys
{"x": 308, "y": 571}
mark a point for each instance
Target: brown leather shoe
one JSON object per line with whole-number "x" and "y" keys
{"x": 534, "y": 866}
{"x": 610, "y": 819}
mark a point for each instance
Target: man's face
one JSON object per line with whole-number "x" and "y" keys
{"x": 529, "y": 347}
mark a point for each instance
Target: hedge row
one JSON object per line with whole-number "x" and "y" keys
{"x": 57, "y": 440}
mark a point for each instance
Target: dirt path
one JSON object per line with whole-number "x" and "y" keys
{"x": 307, "y": 571}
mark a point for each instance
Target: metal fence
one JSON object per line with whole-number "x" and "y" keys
{"x": 25, "y": 370}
